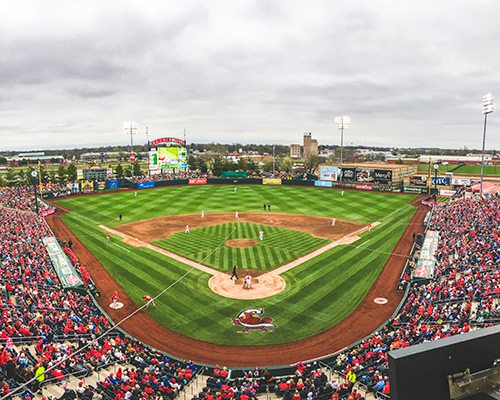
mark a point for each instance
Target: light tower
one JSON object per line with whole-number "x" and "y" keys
{"x": 487, "y": 109}
{"x": 130, "y": 128}
{"x": 342, "y": 124}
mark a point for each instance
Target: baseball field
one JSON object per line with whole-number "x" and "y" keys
{"x": 319, "y": 293}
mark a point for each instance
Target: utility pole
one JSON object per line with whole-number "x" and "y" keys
{"x": 487, "y": 109}
{"x": 130, "y": 128}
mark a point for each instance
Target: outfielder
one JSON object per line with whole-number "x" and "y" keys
{"x": 187, "y": 229}
{"x": 261, "y": 235}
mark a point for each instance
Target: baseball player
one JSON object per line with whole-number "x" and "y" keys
{"x": 235, "y": 189}
{"x": 149, "y": 301}
{"x": 334, "y": 221}
{"x": 261, "y": 235}
{"x": 187, "y": 229}
{"x": 135, "y": 194}
{"x": 234, "y": 274}
{"x": 369, "y": 227}
{"x": 120, "y": 217}
{"x": 236, "y": 216}
{"x": 248, "y": 282}
{"x": 203, "y": 214}
{"x": 114, "y": 298}
{"x": 342, "y": 193}
{"x": 108, "y": 237}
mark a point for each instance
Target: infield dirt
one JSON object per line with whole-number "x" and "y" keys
{"x": 151, "y": 230}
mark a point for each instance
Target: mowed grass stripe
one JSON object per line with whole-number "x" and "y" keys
{"x": 319, "y": 293}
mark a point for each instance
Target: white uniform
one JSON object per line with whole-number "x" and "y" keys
{"x": 187, "y": 229}
{"x": 203, "y": 214}
{"x": 333, "y": 221}
{"x": 261, "y": 235}
{"x": 342, "y": 193}
{"x": 236, "y": 215}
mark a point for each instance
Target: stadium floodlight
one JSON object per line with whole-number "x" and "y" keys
{"x": 487, "y": 109}
{"x": 342, "y": 124}
{"x": 131, "y": 128}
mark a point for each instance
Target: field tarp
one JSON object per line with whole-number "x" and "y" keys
{"x": 65, "y": 271}
{"x": 427, "y": 261}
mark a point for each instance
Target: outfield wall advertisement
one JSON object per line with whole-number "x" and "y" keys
{"x": 328, "y": 173}
{"x": 323, "y": 183}
{"x": 65, "y": 271}
{"x": 427, "y": 261}
{"x": 271, "y": 181}
{"x": 197, "y": 181}
{"x": 348, "y": 174}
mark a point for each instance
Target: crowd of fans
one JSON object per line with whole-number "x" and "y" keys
{"x": 463, "y": 295}
{"x": 63, "y": 322}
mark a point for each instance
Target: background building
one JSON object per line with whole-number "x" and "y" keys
{"x": 295, "y": 151}
{"x": 310, "y": 145}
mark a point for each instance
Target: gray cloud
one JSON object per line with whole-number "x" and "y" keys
{"x": 408, "y": 73}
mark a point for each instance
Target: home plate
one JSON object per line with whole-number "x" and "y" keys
{"x": 116, "y": 306}
{"x": 380, "y": 300}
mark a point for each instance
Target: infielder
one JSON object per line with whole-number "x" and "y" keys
{"x": 261, "y": 235}
{"x": 236, "y": 216}
{"x": 149, "y": 301}
{"x": 334, "y": 221}
{"x": 203, "y": 214}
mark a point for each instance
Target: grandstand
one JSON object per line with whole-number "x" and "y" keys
{"x": 58, "y": 342}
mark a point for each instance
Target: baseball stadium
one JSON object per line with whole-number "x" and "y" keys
{"x": 264, "y": 280}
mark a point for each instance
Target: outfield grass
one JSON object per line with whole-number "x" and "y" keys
{"x": 318, "y": 294}
{"x": 464, "y": 169}
{"x": 354, "y": 205}
{"x": 279, "y": 246}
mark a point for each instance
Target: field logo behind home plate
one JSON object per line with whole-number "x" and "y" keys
{"x": 250, "y": 319}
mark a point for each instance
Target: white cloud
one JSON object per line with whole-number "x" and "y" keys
{"x": 408, "y": 73}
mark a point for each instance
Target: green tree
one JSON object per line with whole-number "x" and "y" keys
{"x": 72, "y": 174}
{"x": 62, "y": 173}
{"x": 119, "y": 171}
{"x": 3, "y": 161}
{"x": 137, "y": 168}
{"x": 311, "y": 162}
{"x": 286, "y": 164}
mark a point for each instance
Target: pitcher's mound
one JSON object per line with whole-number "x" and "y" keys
{"x": 241, "y": 242}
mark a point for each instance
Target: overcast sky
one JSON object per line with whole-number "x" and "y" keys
{"x": 408, "y": 73}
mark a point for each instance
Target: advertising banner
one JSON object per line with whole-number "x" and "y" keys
{"x": 348, "y": 174}
{"x": 420, "y": 181}
{"x": 327, "y": 173}
{"x": 101, "y": 185}
{"x": 441, "y": 180}
{"x": 461, "y": 182}
{"x": 87, "y": 186}
{"x": 427, "y": 260}
{"x": 409, "y": 189}
{"x": 364, "y": 175}
{"x": 197, "y": 181}
{"x": 363, "y": 187}
{"x": 79, "y": 174}
{"x": 146, "y": 185}
{"x": 65, "y": 271}
{"x": 271, "y": 181}
{"x": 323, "y": 183}
{"x": 446, "y": 192}
{"x": 112, "y": 184}
{"x": 382, "y": 176}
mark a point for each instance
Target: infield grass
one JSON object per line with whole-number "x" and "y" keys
{"x": 319, "y": 293}
{"x": 206, "y": 245}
